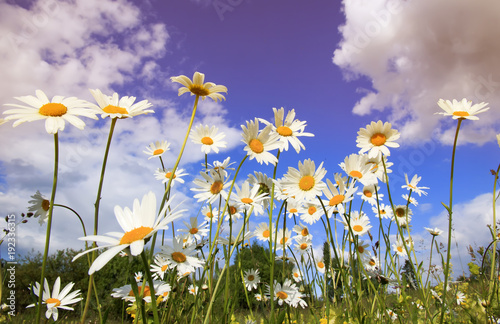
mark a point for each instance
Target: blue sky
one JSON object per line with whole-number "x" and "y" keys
{"x": 339, "y": 65}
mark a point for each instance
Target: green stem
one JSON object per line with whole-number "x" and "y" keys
{"x": 450, "y": 212}
{"x": 96, "y": 219}
{"x": 49, "y": 226}
{"x": 151, "y": 287}
{"x": 495, "y": 238}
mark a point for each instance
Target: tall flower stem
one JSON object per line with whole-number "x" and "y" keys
{"x": 151, "y": 287}
{"x": 96, "y": 217}
{"x": 49, "y": 226}
{"x": 449, "y": 208}
{"x": 495, "y": 238}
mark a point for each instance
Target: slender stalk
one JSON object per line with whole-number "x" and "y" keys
{"x": 96, "y": 217}
{"x": 49, "y": 226}
{"x": 495, "y": 238}
{"x": 151, "y": 287}
{"x": 450, "y": 212}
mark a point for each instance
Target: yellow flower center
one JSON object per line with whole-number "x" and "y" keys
{"x": 400, "y": 212}
{"x": 306, "y": 183}
{"x": 55, "y": 301}
{"x": 303, "y": 246}
{"x": 356, "y": 174}
{"x": 179, "y": 257}
{"x": 199, "y": 90}
{"x": 460, "y": 113}
{"x": 284, "y": 131}
{"x": 296, "y": 274}
{"x": 207, "y": 141}
{"x": 246, "y": 200}
{"x": 45, "y": 204}
{"x": 110, "y": 109}
{"x": 378, "y": 139}
{"x": 266, "y": 233}
{"x": 304, "y": 231}
{"x": 357, "y": 228}
{"x": 336, "y": 200}
{"x": 256, "y": 146}
{"x": 147, "y": 292}
{"x": 158, "y": 152}
{"x": 193, "y": 231}
{"x": 53, "y": 109}
{"x": 293, "y": 210}
{"x": 311, "y": 210}
{"x": 371, "y": 262}
{"x": 367, "y": 193}
{"x": 282, "y": 295}
{"x": 321, "y": 265}
{"x": 400, "y": 249}
{"x": 216, "y": 187}
{"x": 383, "y": 212}
{"x": 169, "y": 174}
{"x": 250, "y": 277}
{"x": 283, "y": 240}
{"x": 164, "y": 268}
{"x": 135, "y": 235}
{"x": 361, "y": 249}
{"x": 232, "y": 210}
{"x": 209, "y": 214}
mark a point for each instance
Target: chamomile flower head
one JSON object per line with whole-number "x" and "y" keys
{"x": 303, "y": 244}
{"x": 193, "y": 290}
{"x": 195, "y": 230}
{"x": 376, "y": 139}
{"x": 39, "y": 207}
{"x": 262, "y": 232}
{"x": 211, "y": 187}
{"x": 220, "y": 168}
{"x": 199, "y": 88}
{"x": 127, "y": 293}
{"x": 377, "y": 166}
{"x": 434, "y": 231}
{"x": 338, "y": 195}
{"x": 231, "y": 240}
{"x": 362, "y": 249}
{"x": 164, "y": 175}
{"x": 372, "y": 264}
{"x": 289, "y": 129}
{"x": 233, "y": 212}
{"x": 382, "y": 211}
{"x": 461, "y": 109}
{"x": 210, "y": 214}
{"x": 57, "y": 298}
{"x": 55, "y": 112}
{"x": 183, "y": 258}
{"x": 412, "y": 185}
{"x": 302, "y": 231}
{"x": 358, "y": 223}
{"x": 209, "y": 138}
{"x": 115, "y": 107}
{"x": 260, "y": 144}
{"x": 399, "y": 248}
{"x": 138, "y": 225}
{"x": 248, "y": 199}
{"x": 138, "y": 276}
{"x": 252, "y": 278}
{"x": 284, "y": 293}
{"x": 163, "y": 291}
{"x": 402, "y": 215}
{"x": 159, "y": 268}
{"x": 296, "y": 274}
{"x": 409, "y": 199}
{"x": 306, "y": 182}
{"x": 264, "y": 183}
{"x": 357, "y": 167}
{"x": 310, "y": 212}
{"x": 283, "y": 239}
{"x": 460, "y": 297}
{"x": 320, "y": 266}
{"x": 157, "y": 149}
{"x": 370, "y": 195}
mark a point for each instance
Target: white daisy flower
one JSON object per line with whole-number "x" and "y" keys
{"x": 288, "y": 128}
{"x": 369, "y": 195}
{"x": 376, "y": 139}
{"x": 357, "y": 167}
{"x": 210, "y": 214}
{"x": 460, "y": 296}
{"x": 199, "y": 88}
{"x": 115, "y": 107}
{"x": 409, "y": 199}
{"x": 401, "y": 216}
{"x": 127, "y": 293}
{"x": 399, "y": 248}
{"x": 138, "y": 276}
{"x": 310, "y": 212}
{"x": 284, "y": 293}
{"x": 363, "y": 249}
{"x": 194, "y": 229}
{"x": 157, "y": 149}
{"x": 220, "y": 168}
{"x": 371, "y": 263}
{"x": 233, "y": 213}
{"x": 306, "y": 182}
{"x": 259, "y": 144}
{"x": 211, "y": 187}
{"x": 385, "y": 211}
{"x": 358, "y": 223}
{"x": 252, "y": 278}
{"x": 283, "y": 239}
{"x": 320, "y": 266}
{"x": 302, "y": 244}
{"x": 265, "y": 184}
{"x": 337, "y": 196}
{"x": 292, "y": 207}
{"x": 138, "y": 224}
{"x": 412, "y": 185}
{"x": 184, "y": 258}
{"x": 434, "y": 231}
{"x": 231, "y": 240}
{"x": 164, "y": 291}
{"x": 262, "y": 232}
{"x": 159, "y": 268}
{"x": 461, "y": 109}
{"x": 164, "y": 175}
{"x": 193, "y": 290}
{"x": 39, "y": 207}
{"x": 296, "y": 274}
{"x": 248, "y": 199}
{"x": 302, "y": 231}
{"x": 209, "y": 138}
{"x": 58, "y": 298}
{"x": 377, "y": 167}
{"x": 55, "y": 112}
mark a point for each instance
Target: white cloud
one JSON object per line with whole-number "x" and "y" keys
{"x": 416, "y": 52}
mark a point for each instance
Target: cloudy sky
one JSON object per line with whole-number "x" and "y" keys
{"x": 340, "y": 66}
